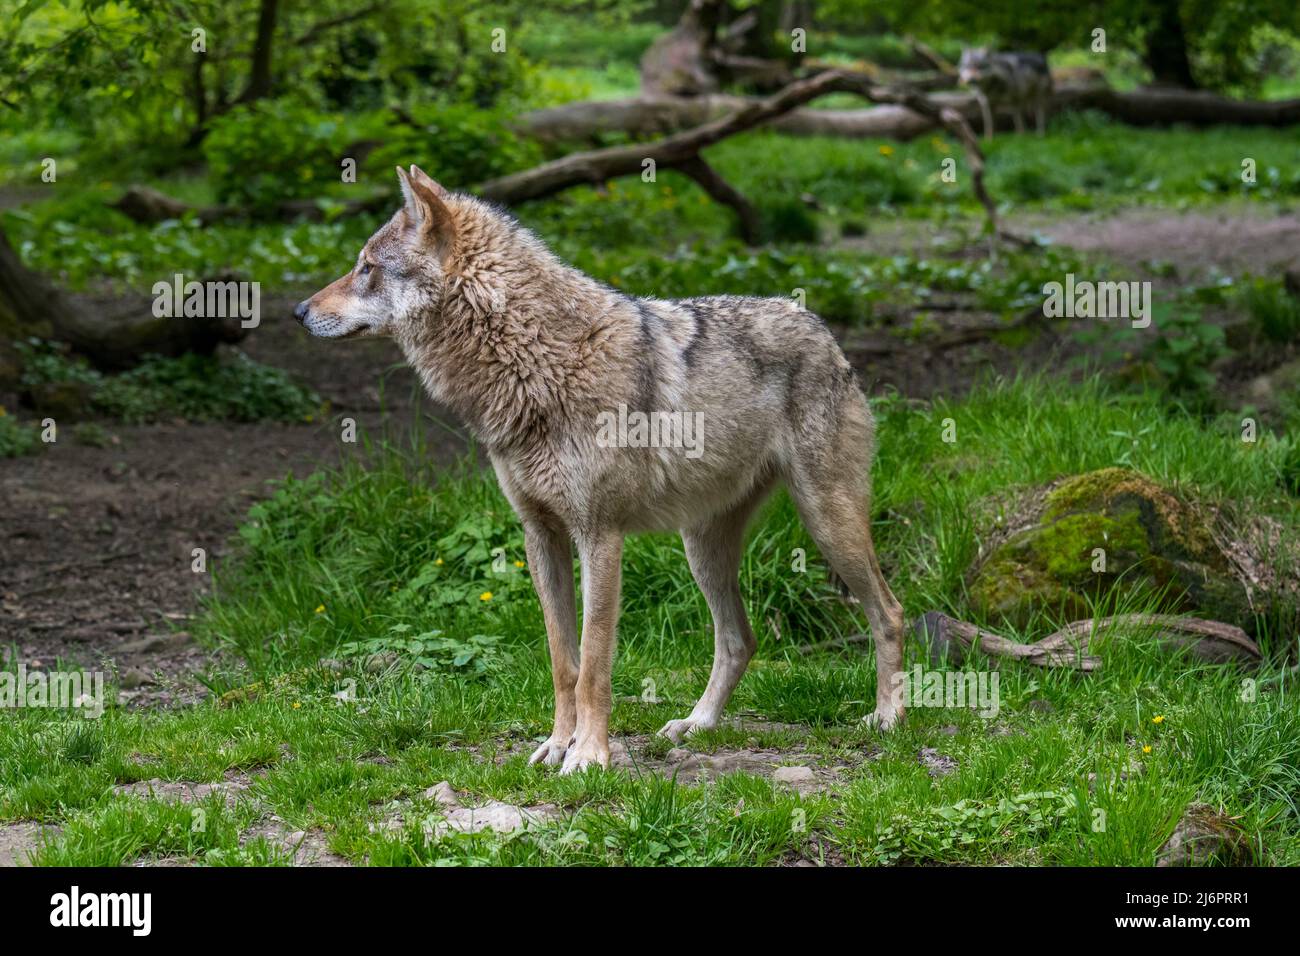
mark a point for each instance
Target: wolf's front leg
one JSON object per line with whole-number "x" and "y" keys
{"x": 550, "y": 559}
{"x": 602, "y": 557}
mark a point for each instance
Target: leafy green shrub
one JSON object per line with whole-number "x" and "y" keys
{"x": 788, "y": 220}
{"x": 477, "y": 655}
{"x": 1184, "y": 352}
{"x": 195, "y": 387}
{"x": 272, "y": 150}
{"x": 1274, "y": 312}
{"x": 457, "y": 144}
{"x": 16, "y": 438}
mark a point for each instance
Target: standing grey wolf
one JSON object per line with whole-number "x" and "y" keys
{"x": 534, "y": 356}
{"x": 1020, "y": 80}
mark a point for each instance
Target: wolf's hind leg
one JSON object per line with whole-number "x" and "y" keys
{"x": 714, "y": 550}
{"x": 835, "y": 508}
{"x": 550, "y": 561}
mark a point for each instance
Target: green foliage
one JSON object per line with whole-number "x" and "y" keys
{"x": 1180, "y": 347}
{"x": 969, "y": 830}
{"x": 477, "y": 655}
{"x": 788, "y": 220}
{"x": 17, "y": 438}
{"x": 273, "y": 150}
{"x": 1272, "y": 310}
{"x": 194, "y": 387}
{"x": 457, "y": 144}
{"x": 1185, "y": 352}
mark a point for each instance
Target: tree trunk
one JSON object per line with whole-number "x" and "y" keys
{"x": 27, "y": 308}
{"x": 259, "y": 82}
{"x": 111, "y": 335}
{"x": 678, "y": 63}
{"x": 1166, "y": 48}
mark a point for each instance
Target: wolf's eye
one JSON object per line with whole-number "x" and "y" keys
{"x": 365, "y": 269}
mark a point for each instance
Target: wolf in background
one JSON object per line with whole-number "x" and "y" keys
{"x": 1020, "y": 81}
{"x": 531, "y": 353}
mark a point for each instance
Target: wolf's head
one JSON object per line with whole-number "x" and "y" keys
{"x": 399, "y": 278}
{"x": 973, "y": 65}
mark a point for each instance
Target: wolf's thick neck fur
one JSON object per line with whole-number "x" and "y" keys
{"x": 521, "y": 343}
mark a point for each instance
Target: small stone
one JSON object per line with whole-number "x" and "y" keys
{"x": 1204, "y": 836}
{"x": 378, "y": 663}
{"x": 794, "y": 776}
{"x": 1040, "y": 706}
{"x": 442, "y": 794}
{"x": 144, "y": 645}
{"x": 134, "y": 678}
{"x": 935, "y": 763}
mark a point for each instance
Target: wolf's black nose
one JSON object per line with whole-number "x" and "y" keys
{"x": 300, "y": 313}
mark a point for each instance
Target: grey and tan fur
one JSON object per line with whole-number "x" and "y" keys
{"x": 1020, "y": 81}
{"x": 530, "y": 352}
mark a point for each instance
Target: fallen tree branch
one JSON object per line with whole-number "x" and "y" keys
{"x": 954, "y": 338}
{"x": 932, "y": 56}
{"x": 680, "y": 151}
{"x": 598, "y": 165}
{"x": 1211, "y": 641}
{"x": 145, "y": 205}
{"x": 949, "y": 639}
{"x": 722, "y": 191}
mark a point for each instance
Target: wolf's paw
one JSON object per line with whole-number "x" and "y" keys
{"x": 552, "y": 751}
{"x": 675, "y": 730}
{"x": 884, "y": 719}
{"x": 585, "y": 753}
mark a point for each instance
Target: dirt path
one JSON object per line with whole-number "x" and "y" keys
{"x": 96, "y": 546}
{"x": 1228, "y": 239}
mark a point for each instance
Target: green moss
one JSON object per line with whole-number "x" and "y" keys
{"x": 1110, "y": 533}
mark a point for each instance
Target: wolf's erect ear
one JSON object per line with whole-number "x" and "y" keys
{"x": 424, "y": 205}
{"x": 418, "y": 175}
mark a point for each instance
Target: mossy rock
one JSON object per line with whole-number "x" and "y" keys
{"x": 1112, "y": 532}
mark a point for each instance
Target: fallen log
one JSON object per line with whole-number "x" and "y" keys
{"x": 1071, "y": 646}
{"x": 659, "y": 115}
{"x": 145, "y": 205}
{"x": 663, "y": 115}
{"x": 948, "y": 639}
{"x": 681, "y": 150}
{"x": 108, "y": 333}
{"x": 1164, "y": 106}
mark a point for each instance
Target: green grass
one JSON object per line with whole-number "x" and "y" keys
{"x": 397, "y": 556}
